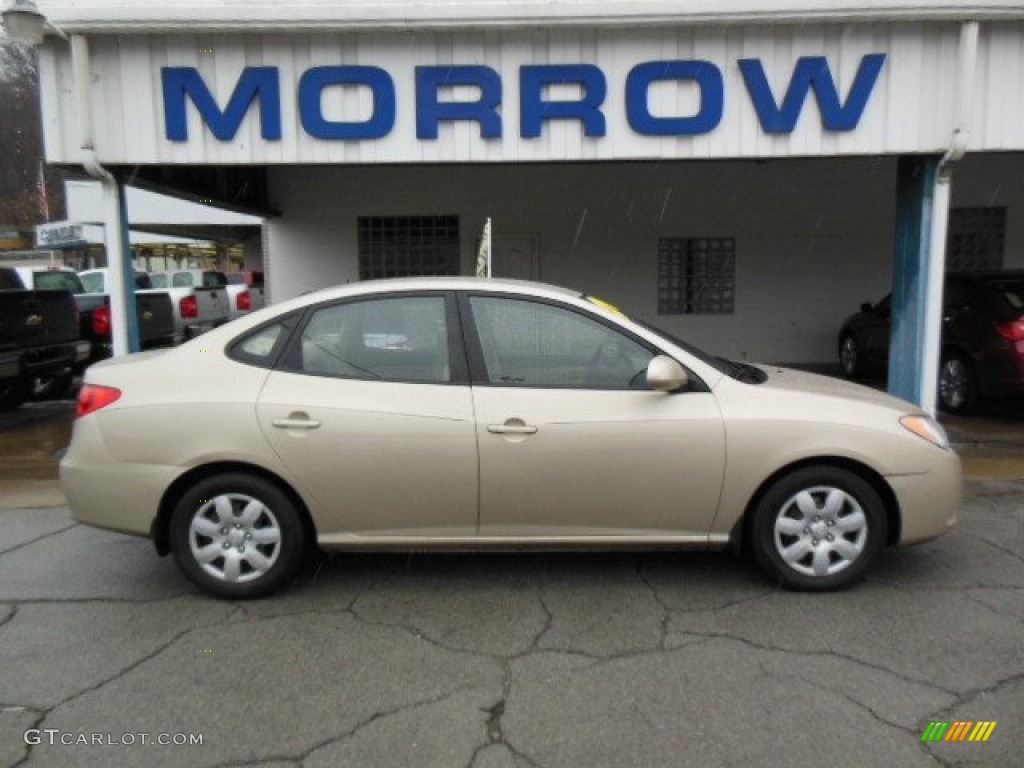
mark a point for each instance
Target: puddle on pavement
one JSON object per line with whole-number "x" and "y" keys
{"x": 32, "y": 438}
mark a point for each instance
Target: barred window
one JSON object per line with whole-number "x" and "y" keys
{"x": 975, "y": 240}
{"x": 696, "y": 276}
{"x": 408, "y": 246}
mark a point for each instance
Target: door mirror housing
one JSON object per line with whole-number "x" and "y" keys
{"x": 867, "y": 307}
{"x": 666, "y": 375}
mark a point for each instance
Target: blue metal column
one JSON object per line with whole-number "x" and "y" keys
{"x": 128, "y": 270}
{"x": 912, "y": 276}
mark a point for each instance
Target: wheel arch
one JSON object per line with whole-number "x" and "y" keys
{"x": 160, "y": 530}
{"x": 740, "y": 535}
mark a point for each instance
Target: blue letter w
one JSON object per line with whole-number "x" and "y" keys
{"x": 811, "y": 73}
{"x": 255, "y": 83}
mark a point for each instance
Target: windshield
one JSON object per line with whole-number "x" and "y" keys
{"x": 719, "y": 364}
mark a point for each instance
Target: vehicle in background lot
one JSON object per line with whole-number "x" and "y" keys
{"x": 982, "y": 339}
{"x": 38, "y": 337}
{"x": 245, "y": 292}
{"x": 457, "y": 413}
{"x": 153, "y": 309}
{"x": 199, "y": 297}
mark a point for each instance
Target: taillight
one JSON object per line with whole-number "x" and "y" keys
{"x": 189, "y": 306}
{"x": 1012, "y": 330}
{"x": 101, "y": 321}
{"x": 92, "y": 397}
{"x": 243, "y": 301}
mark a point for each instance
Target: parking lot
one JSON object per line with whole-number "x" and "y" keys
{"x": 654, "y": 659}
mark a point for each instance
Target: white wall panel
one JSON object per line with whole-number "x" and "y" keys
{"x": 909, "y": 110}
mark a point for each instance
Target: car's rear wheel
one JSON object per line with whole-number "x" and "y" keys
{"x": 818, "y": 529}
{"x": 849, "y": 356}
{"x": 237, "y": 536}
{"x": 958, "y": 386}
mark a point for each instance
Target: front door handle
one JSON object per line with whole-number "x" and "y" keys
{"x": 511, "y": 429}
{"x": 296, "y": 421}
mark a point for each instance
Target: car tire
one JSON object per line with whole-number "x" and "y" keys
{"x": 849, "y": 356}
{"x": 14, "y": 393}
{"x": 958, "y": 385}
{"x": 818, "y": 529}
{"x": 237, "y": 536}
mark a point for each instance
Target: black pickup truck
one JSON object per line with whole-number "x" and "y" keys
{"x": 153, "y": 308}
{"x": 38, "y": 337}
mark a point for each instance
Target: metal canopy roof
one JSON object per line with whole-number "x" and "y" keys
{"x": 198, "y": 16}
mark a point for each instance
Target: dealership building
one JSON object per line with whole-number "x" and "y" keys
{"x": 743, "y": 174}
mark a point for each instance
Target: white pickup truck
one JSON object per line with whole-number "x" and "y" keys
{"x": 245, "y": 292}
{"x": 199, "y": 296}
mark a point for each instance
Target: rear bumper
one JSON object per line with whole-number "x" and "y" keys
{"x": 106, "y": 493}
{"x": 42, "y": 361}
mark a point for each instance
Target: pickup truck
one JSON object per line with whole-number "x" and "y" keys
{"x": 38, "y": 337}
{"x": 199, "y": 297}
{"x": 154, "y": 311}
{"x": 245, "y": 293}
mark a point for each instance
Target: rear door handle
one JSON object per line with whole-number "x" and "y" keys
{"x": 511, "y": 429}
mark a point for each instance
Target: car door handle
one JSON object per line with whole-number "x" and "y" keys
{"x": 293, "y": 423}
{"x": 511, "y": 429}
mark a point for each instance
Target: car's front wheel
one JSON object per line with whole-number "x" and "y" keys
{"x": 818, "y": 529}
{"x": 237, "y": 536}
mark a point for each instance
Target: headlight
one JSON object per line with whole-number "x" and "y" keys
{"x": 927, "y": 428}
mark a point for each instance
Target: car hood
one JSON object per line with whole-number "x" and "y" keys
{"x": 801, "y": 382}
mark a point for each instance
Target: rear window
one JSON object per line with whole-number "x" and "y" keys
{"x": 214, "y": 280}
{"x": 158, "y": 281}
{"x": 56, "y": 281}
{"x": 93, "y": 282}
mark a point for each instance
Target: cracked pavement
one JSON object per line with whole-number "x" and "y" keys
{"x": 488, "y": 661}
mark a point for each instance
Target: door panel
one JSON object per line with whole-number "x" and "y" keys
{"x": 387, "y": 458}
{"x": 571, "y": 441}
{"x": 598, "y": 463}
{"x": 373, "y": 416}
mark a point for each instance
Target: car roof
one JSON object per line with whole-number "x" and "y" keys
{"x": 452, "y": 283}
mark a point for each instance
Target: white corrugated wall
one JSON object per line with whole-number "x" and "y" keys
{"x": 910, "y": 109}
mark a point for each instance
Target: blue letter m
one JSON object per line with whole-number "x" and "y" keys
{"x": 811, "y": 73}
{"x": 255, "y": 83}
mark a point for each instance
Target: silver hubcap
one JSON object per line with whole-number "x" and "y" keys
{"x": 848, "y": 355}
{"x": 954, "y": 381}
{"x": 820, "y": 531}
{"x": 235, "y": 538}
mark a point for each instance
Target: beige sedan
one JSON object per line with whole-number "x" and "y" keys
{"x": 457, "y": 413}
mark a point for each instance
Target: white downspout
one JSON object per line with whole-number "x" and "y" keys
{"x": 112, "y": 223}
{"x": 967, "y": 57}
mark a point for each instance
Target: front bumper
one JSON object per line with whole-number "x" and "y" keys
{"x": 929, "y": 503}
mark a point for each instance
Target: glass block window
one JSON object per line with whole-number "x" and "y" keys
{"x": 975, "y": 239}
{"x": 696, "y": 276}
{"x": 408, "y": 246}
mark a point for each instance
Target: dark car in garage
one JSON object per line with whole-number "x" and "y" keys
{"x": 982, "y": 339}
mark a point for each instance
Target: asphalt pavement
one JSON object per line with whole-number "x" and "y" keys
{"x": 653, "y": 659}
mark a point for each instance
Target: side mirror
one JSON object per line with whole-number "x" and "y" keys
{"x": 665, "y": 375}
{"x": 867, "y": 307}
